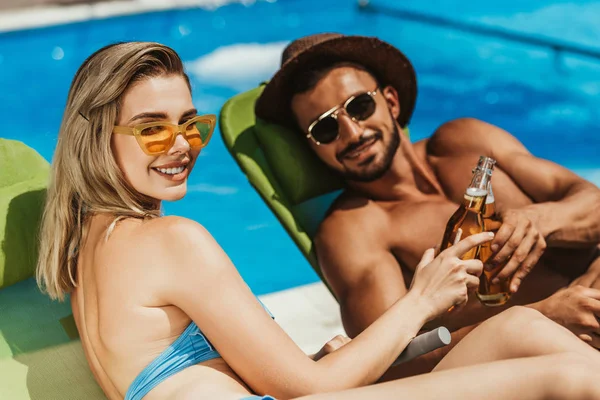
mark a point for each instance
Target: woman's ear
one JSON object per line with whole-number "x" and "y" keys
{"x": 391, "y": 97}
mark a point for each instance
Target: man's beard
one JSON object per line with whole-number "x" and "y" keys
{"x": 372, "y": 172}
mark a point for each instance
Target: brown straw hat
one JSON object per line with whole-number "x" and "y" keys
{"x": 389, "y": 65}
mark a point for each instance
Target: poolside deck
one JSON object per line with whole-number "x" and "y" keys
{"x": 309, "y": 314}
{"x": 25, "y": 14}
{"x": 18, "y": 4}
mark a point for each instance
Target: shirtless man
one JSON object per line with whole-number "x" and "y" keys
{"x": 353, "y": 97}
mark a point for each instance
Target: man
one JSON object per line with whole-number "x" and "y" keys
{"x": 352, "y": 97}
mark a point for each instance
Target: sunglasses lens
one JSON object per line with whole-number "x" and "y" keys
{"x": 157, "y": 139}
{"x": 361, "y": 107}
{"x": 198, "y": 134}
{"x": 326, "y": 130}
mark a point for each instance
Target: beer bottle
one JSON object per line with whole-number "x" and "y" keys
{"x": 491, "y": 294}
{"x": 468, "y": 219}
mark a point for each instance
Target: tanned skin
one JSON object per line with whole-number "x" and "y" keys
{"x": 376, "y": 232}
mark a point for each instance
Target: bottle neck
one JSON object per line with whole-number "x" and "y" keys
{"x": 490, "y": 199}
{"x": 489, "y": 209}
{"x": 474, "y": 200}
{"x": 479, "y": 183}
{"x": 486, "y": 163}
{"x": 482, "y": 175}
{"x": 476, "y": 194}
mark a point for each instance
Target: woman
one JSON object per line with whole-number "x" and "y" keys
{"x": 163, "y": 314}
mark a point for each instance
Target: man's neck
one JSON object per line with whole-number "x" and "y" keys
{"x": 409, "y": 175}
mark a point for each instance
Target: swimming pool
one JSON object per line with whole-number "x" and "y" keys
{"x": 550, "y": 105}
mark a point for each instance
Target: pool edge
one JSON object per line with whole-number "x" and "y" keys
{"x": 51, "y": 15}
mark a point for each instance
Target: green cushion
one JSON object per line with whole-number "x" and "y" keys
{"x": 40, "y": 357}
{"x": 53, "y": 373}
{"x": 23, "y": 179}
{"x": 300, "y": 172}
{"x": 237, "y": 125}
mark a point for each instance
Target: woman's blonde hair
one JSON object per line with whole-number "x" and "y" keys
{"x": 85, "y": 176}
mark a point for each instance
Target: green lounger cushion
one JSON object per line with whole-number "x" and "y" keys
{"x": 237, "y": 126}
{"x": 40, "y": 354}
{"x": 23, "y": 179}
{"x": 300, "y": 172}
{"x": 40, "y": 357}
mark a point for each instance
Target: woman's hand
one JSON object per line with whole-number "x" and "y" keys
{"x": 444, "y": 281}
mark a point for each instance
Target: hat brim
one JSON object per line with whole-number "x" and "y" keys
{"x": 390, "y": 66}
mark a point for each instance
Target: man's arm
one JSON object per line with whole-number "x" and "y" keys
{"x": 352, "y": 249}
{"x": 567, "y": 207}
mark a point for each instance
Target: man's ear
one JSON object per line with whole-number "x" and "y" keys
{"x": 391, "y": 97}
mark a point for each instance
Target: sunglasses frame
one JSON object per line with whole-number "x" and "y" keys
{"x": 333, "y": 112}
{"x": 210, "y": 119}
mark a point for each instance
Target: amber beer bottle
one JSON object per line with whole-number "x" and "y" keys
{"x": 468, "y": 219}
{"x": 491, "y": 294}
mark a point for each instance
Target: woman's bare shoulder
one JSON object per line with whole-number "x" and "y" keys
{"x": 145, "y": 246}
{"x": 164, "y": 228}
{"x": 158, "y": 231}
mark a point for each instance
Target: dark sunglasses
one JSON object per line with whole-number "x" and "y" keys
{"x": 359, "y": 107}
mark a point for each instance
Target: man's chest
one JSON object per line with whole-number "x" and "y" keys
{"x": 419, "y": 224}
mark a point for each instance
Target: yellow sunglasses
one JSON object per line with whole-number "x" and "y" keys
{"x": 158, "y": 137}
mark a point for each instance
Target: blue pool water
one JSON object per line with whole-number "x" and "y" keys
{"x": 551, "y": 106}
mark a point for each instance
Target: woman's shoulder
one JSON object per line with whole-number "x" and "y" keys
{"x": 167, "y": 226}
{"x": 157, "y": 241}
{"x": 154, "y": 230}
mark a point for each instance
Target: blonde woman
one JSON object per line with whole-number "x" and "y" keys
{"x": 162, "y": 312}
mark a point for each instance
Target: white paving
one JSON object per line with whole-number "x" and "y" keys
{"x": 309, "y": 314}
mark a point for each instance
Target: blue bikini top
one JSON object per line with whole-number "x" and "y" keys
{"x": 190, "y": 348}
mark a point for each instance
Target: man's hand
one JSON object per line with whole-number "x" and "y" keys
{"x": 519, "y": 241}
{"x": 577, "y": 308}
{"x": 331, "y": 346}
